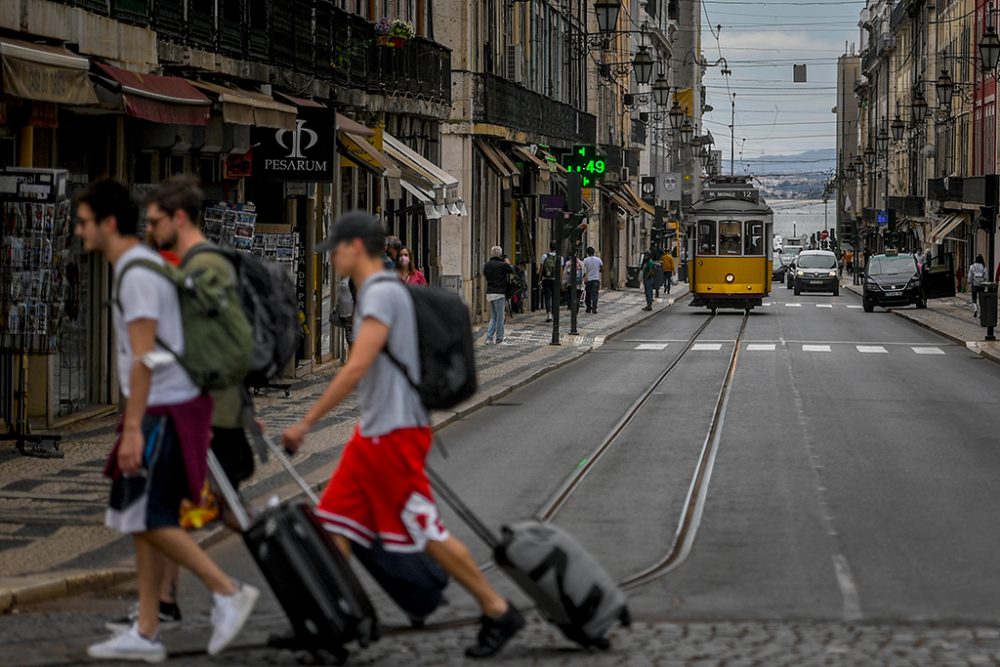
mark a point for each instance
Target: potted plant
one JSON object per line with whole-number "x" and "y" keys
{"x": 393, "y": 33}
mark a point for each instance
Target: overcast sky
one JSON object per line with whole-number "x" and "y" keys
{"x": 762, "y": 41}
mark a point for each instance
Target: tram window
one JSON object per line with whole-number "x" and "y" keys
{"x": 754, "y": 241}
{"x": 706, "y": 237}
{"x": 731, "y": 238}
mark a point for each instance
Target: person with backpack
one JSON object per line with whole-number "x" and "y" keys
{"x": 380, "y": 490}
{"x": 548, "y": 265}
{"x": 498, "y": 273}
{"x": 977, "y": 279}
{"x": 648, "y": 269}
{"x": 160, "y": 457}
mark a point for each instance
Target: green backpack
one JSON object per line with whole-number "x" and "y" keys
{"x": 217, "y": 336}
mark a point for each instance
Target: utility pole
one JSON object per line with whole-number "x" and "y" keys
{"x": 574, "y": 202}
{"x": 732, "y": 141}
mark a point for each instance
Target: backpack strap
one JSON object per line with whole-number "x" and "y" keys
{"x": 158, "y": 269}
{"x": 388, "y": 353}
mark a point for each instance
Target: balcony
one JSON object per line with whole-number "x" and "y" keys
{"x": 499, "y": 101}
{"x": 941, "y": 189}
{"x": 909, "y": 206}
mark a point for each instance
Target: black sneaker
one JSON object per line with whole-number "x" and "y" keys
{"x": 170, "y": 618}
{"x": 495, "y": 632}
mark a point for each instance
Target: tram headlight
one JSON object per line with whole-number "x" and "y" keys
{"x": 730, "y": 278}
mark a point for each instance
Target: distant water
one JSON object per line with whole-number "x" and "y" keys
{"x": 804, "y": 216}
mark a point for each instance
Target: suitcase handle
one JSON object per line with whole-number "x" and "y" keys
{"x": 265, "y": 443}
{"x": 463, "y": 511}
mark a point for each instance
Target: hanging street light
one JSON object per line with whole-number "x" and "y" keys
{"x": 869, "y": 156}
{"x": 661, "y": 91}
{"x": 850, "y": 171}
{"x": 704, "y": 157}
{"x": 882, "y": 140}
{"x": 607, "y": 14}
{"x": 989, "y": 50}
{"x": 859, "y": 164}
{"x": 919, "y": 107}
{"x": 676, "y": 116}
{"x": 687, "y": 131}
{"x": 898, "y": 127}
{"x": 945, "y": 90}
{"x": 642, "y": 66}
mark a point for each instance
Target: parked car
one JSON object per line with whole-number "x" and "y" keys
{"x": 892, "y": 279}
{"x": 816, "y": 271}
{"x": 779, "y": 267}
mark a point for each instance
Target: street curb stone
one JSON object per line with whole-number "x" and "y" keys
{"x": 74, "y": 584}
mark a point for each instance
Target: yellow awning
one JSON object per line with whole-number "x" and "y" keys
{"x": 355, "y": 151}
{"x": 248, "y": 107}
{"x": 639, "y": 202}
{"x": 45, "y": 73}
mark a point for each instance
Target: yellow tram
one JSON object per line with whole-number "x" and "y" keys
{"x": 729, "y": 244}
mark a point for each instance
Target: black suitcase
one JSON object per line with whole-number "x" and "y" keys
{"x": 323, "y": 599}
{"x": 571, "y": 588}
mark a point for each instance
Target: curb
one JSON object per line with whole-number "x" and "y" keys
{"x": 74, "y": 584}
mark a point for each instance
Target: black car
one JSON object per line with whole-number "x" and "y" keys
{"x": 892, "y": 280}
{"x": 816, "y": 271}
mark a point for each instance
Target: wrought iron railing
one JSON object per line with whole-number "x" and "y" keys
{"x": 500, "y": 101}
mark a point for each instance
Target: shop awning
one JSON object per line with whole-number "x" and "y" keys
{"x": 363, "y": 154}
{"x": 641, "y": 204}
{"x": 442, "y": 184}
{"x": 552, "y": 160}
{"x": 159, "y": 99}
{"x": 431, "y": 210}
{"x": 248, "y": 107}
{"x": 947, "y": 226}
{"x": 508, "y": 176}
{"x": 345, "y": 124}
{"x": 45, "y": 73}
{"x": 524, "y": 152}
{"x": 620, "y": 199}
{"x": 301, "y": 102}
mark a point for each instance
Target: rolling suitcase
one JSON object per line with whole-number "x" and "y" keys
{"x": 313, "y": 582}
{"x": 414, "y": 581}
{"x": 572, "y": 590}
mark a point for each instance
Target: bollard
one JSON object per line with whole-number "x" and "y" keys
{"x": 988, "y": 309}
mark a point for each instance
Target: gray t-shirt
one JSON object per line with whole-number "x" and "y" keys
{"x": 388, "y": 402}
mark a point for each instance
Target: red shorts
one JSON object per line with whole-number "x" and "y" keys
{"x": 380, "y": 489}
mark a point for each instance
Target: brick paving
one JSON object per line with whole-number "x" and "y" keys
{"x": 51, "y": 510}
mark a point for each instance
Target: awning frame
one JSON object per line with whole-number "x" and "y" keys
{"x": 942, "y": 230}
{"x": 265, "y": 110}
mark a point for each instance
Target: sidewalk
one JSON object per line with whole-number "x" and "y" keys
{"x": 951, "y": 318}
{"x": 52, "y": 539}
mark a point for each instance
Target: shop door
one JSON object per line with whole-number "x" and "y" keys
{"x": 939, "y": 278}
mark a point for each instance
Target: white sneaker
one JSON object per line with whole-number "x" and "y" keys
{"x": 129, "y": 645}
{"x": 487, "y": 342}
{"x": 229, "y": 615}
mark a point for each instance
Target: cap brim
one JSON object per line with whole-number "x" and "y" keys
{"x": 326, "y": 245}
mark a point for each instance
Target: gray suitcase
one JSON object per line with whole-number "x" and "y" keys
{"x": 572, "y": 590}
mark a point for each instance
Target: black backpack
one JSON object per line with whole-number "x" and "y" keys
{"x": 444, "y": 342}
{"x": 271, "y": 306}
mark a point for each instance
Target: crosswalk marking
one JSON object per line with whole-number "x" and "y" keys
{"x": 758, "y": 347}
{"x": 793, "y": 305}
{"x": 824, "y": 305}
{"x": 872, "y": 349}
{"x": 706, "y": 347}
{"x": 816, "y": 348}
{"x": 659, "y": 347}
{"x": 928, "y": 350}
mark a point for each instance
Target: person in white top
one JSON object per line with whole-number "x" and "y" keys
{"x": 592, "y": 266}
{"x": 161, "y": 455}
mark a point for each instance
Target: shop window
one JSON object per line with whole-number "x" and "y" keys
{"x": 143, "y": 171}
{"x": 730, "y": 238}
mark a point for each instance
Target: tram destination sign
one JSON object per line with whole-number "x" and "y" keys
{"x": 587, "y": 161}
{"x": 742, "y": 195}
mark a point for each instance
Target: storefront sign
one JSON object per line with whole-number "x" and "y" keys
{"x": 239, "y": 166}
{"x": 304, "y": 153}
{"x": 551, "y": 206}
{"x": 648, "y": 189}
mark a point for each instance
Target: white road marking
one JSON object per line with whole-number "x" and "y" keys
{"x": 855, "y": 307}
{"x": 872, "y": 349}
{"x": 761, "y": 347}
{"x": 659, "y": 347}
{"x": 928, "y": 350}
{"x": 848, "y": 589}
{"x": 706, "y": 347}
{"x": 793, "y": 305}
{"x": 816, "y": 348}
{"x": 767, "y": 304}
{"x": 824, "y": 305}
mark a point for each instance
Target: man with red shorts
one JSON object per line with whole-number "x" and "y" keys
{"x": 380, "y": 488}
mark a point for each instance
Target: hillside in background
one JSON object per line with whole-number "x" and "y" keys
{"x": 796, "y": 176}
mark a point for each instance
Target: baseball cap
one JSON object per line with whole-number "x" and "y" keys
{"x": 351, "y": 225}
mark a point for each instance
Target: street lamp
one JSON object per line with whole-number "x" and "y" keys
{"x": 898, "y": 127}
{"x": 704, "y": 157}
{"x": 945, "y": 89}
{"x": 919, "y": 107}
{"x": 642, "y": 66}
{"x": 870, "y": 156}
{"x": 676, "y": 116}
{"x": 687, "y": 132}
{"x": 607, "y": 14}
{"x": 661, "y": 91}
{"x": 989, "y": 50}
{"x": 882, "y": 140}
{"x": 859, "y": 164}
{"x": 850, "y": 170}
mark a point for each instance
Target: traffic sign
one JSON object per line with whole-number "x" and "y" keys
{"x": 824, "y": 235}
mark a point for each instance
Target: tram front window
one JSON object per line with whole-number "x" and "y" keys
{"x": 754, "y": 244}
{"x": 731, "y": 238}
{"x": 706, "y": 238}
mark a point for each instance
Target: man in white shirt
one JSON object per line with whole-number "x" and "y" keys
{"x": 161, "y": 455}
{"x": 592, "y": 266}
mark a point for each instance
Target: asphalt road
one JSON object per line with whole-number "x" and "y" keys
{"x": 855, "y": 482}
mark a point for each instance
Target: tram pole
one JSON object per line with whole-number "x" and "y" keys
{"x": 574, "y": 202}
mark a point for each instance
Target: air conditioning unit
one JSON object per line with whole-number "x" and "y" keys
{"x": 515, "y": 64}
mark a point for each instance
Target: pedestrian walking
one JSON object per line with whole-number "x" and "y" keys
{"x": 497, "y": 272}
{"x": 160, "y": 457}
{"x": 174, "y": 213}
{"x": 667, "y": 262}
{"x": 380, "y": 487}
{"x": 408, "y": 271}
{"x": 977, "y": 279}
{"x": 342, "y": 314}
{"x": 592, "y": 266}
{"x": 392, "y": 248}
{"x": 573, "y": 274}
{"x": 658, "y": 274}
{"x": 548, "y": 265}
{"x": 648, "y": 270}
